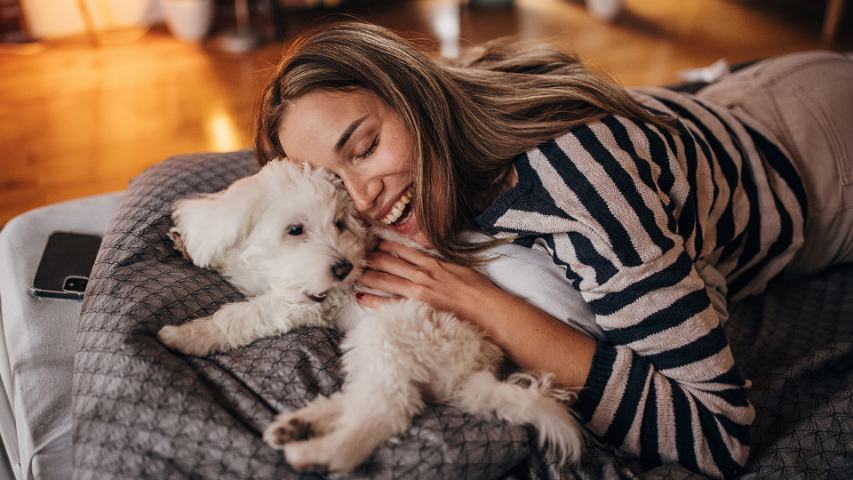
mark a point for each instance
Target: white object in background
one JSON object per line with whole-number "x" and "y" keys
{"x": 709, "y": 74}
{"x": 446, "y": 26}
{"x": 188, "y": 19}
{"x": 62, "y": 18}
{"x": 604, "y": 9}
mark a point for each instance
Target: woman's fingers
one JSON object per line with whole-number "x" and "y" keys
{"x": 406, "y": 253}
{"x": 373, "y": 301}
{"x": 383, "y": 262}
{"x": 386, "y": 282}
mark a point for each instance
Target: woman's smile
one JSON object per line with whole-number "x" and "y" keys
{"x": 394, "y": 214}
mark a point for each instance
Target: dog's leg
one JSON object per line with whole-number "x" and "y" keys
{"x": 235, "y": 325}
{"x": 314, "y": 419}
{"x": 377, "y": 405}
{"x": 365, "y": 423}
{"x": 482, "y": 393}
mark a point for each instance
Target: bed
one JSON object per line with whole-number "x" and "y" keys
{"x": 141, "y": 411}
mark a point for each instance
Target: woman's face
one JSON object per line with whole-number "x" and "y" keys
{"x": 362, "y": 140}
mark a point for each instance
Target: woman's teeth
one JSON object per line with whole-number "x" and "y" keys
{"x": 398, "y": 209}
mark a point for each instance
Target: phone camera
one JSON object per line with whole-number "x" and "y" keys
{"x": 75, "y": 284}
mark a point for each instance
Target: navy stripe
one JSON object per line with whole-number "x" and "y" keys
{"x": 727, "y": 164}
{"x": 527, "y": 190}
{"x": 725, "y": 225}
{"x": 688, "y": 219}
{"x": 752, "y": 232}
{"x": 644, "y": 170}
{"x": 710, "y": 159}
{"x": 625, "y": 183}
{"x": 730, "y": 377}
{"x": 703, "y": 347}
{"x": 571, "y": 275}
{"x": 623, "y": 139}
{"x": 529, "y": 195}
{"x": 599, "y": 373}
{"x": 526, "y": 241}
{"x": 719, "y": 452}
{"x": 734, "y": 396}
{"x": 783, "y": 166}
{"x": 731, "y": 247}
{"x": 782, "y": 243}
{"x": 536, "y": 197}
{"x": 671, "y": 275}
{"x": 655, "y": 111}
{"x": 588, "y": 255}
{"x": 592, "y": 201}
{"x": 725, "y": 161}
{"x": 649, "y": 448}
{"x": 666, "y": 177}
{"x": 635, "y": 384}
{"x": 718, "y": 154}
{"x": 668, "y": 317}
{"x": 684, "y": 441}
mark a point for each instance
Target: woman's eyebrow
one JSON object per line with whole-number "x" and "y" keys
{"x": 348, "y": 133}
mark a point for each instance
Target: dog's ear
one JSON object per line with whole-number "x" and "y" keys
{"x": 211, "y": 224}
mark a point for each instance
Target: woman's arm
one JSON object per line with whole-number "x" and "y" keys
{"x": 531, "y": 338}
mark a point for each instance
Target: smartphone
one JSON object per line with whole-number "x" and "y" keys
{"x": 66, "y": 262}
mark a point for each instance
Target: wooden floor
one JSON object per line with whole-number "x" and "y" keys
{"x": 76, "y": 119}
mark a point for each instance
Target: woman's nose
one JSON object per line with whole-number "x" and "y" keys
{"x": 362, "y": 193}
{"x": 360, "y": 200}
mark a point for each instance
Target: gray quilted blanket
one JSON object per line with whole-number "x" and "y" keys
{"x": 142, "y": 411}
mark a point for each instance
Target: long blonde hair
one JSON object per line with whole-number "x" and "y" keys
{"x": 468, "y": 119}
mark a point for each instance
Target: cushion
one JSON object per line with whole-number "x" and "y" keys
{"x": 141, "y": 410}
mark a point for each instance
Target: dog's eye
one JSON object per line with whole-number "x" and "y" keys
{"x": 340, "y": 224}
{"x": 295, "y": 230}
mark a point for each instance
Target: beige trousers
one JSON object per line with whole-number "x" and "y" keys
{"x": 806, "y": 101}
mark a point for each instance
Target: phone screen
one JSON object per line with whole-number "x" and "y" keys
{"x": 65, "y": 265}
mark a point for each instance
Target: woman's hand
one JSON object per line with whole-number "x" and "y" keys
{"x": 405, "y": 272}
{"x": 532, "y": 338}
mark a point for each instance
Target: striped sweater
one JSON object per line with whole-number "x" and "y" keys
{"x": 655, "y": 229}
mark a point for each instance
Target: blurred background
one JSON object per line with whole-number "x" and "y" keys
{"x": 94, "y": 91}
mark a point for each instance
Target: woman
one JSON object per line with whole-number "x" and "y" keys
{"x": 657, "y": 205}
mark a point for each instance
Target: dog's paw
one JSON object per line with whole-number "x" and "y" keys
{"x": 286, "y": 428}
{"x": 181, "y": 339}
{"x": 178, "y": 243}
{"x": 303, "y": 458}
{"x": 328, "y": 454}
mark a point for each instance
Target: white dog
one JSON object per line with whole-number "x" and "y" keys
{"x": 289, "y": 239}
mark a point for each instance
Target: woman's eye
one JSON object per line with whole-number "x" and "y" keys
{"x": 295, "y": 230}
{"x": 370, "y": 150}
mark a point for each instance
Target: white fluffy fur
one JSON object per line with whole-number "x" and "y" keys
{"x": 403, "y": 355}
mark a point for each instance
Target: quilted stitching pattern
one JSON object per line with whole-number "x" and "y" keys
{"x": 141, "y": 410}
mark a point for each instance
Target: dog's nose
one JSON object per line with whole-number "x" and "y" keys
{"x": 341, "y": 269}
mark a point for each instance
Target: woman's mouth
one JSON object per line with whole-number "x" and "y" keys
{"x": 401, "y": 211}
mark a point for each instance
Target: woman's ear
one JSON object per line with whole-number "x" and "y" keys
{"x": 209, "y": 225}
